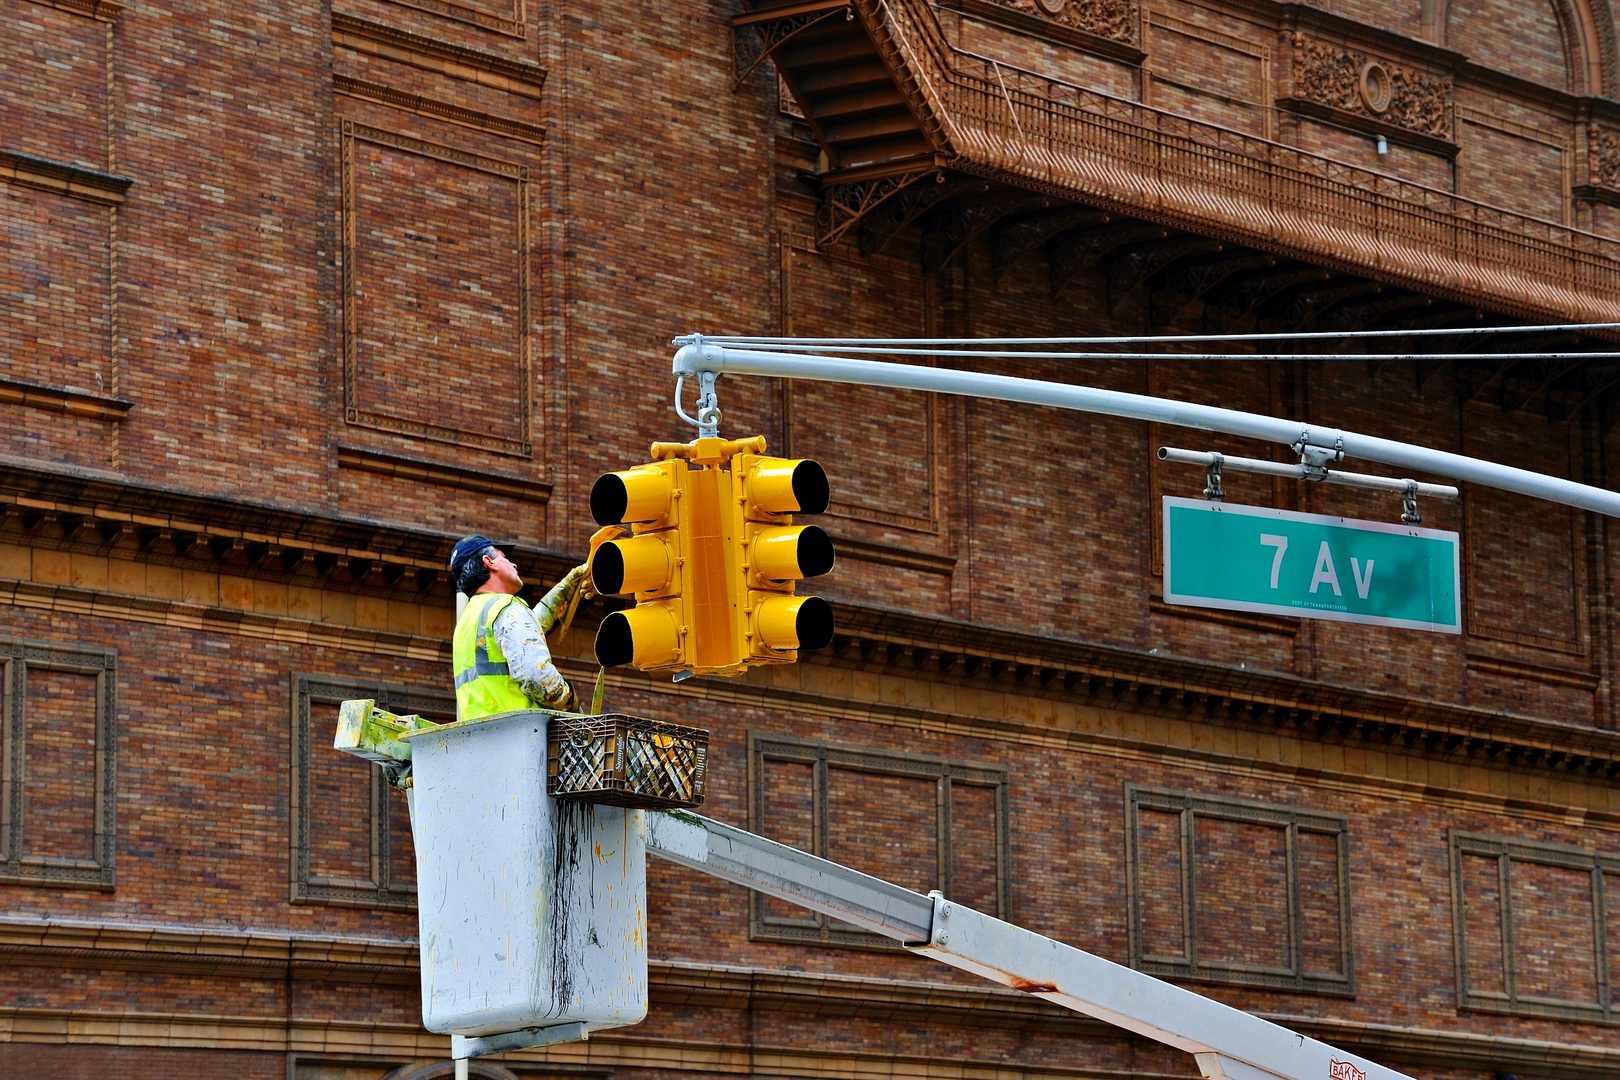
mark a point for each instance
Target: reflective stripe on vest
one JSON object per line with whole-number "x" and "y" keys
{"x": 483, "y": 681}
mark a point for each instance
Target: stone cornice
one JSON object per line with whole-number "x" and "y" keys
{"x": 182, "y": 950}
{"x": 456, "y": 61}
{"x": 58, "y": 399}
{"x": 62, "y": 507}
{"x": 1132, "y": 681}
{"x": 79, "y": 509}
{"x": 61, "y": 178}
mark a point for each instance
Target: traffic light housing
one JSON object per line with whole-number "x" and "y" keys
{"x": 774, "y": 622}
{"x": 713, "y": 559}
{"x": 645, "y": 564}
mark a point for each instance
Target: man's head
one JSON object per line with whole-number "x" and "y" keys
{"x": 478, "y": 564}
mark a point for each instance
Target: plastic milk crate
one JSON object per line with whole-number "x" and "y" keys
{"x": 626, "y": 761}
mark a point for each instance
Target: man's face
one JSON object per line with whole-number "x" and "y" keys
{"x": 502, "y": 574}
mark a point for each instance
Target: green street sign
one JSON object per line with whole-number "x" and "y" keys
{"x": 1309, "y": 566}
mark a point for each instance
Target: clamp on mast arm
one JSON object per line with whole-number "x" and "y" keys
{"x": 1227, "y": 1043}
{"x": 705, "y": 360}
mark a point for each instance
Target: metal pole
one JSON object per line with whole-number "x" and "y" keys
{"x": 1296, "y": 471}
{"x": 1317, "y": 444}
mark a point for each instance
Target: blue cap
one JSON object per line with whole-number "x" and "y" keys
{"x": 469, "y": 546}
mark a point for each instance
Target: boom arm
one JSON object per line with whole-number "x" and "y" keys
{"x": 1227, "y": 1043}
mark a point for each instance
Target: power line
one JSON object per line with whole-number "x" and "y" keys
{"x": 1149, "y": 339}
{"x": 1018, "y": 354}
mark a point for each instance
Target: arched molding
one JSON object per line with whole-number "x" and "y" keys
{"x": 1583, "y": 50}
{"x": 446, "y": 1070}
{"x": 1601, "y": 50}
{"x": 1587, "y": 29}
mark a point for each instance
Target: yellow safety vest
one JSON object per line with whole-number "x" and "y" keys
{"x": 484, "y": 684}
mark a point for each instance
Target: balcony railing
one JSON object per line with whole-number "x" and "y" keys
{"x": 1000, "y": 120}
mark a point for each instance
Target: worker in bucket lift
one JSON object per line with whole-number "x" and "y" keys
{"x": 499, "y": 650}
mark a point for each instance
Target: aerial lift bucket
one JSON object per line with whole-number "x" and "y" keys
{"x": 532, "y": 910}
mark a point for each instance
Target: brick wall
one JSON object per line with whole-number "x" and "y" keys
{"x": 406, "y": 270}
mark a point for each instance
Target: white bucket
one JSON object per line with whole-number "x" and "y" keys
{"x": 532, "y": 911}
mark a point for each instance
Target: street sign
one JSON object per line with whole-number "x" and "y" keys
{"x": 1310, "y": 566}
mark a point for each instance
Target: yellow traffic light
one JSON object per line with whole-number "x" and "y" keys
{"x": 712, "y": 559}
{"x": 773, "y": 623}
{"x": 645, "y": 565}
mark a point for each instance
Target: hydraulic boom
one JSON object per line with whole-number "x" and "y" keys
{"x": 1227, "y": 1043}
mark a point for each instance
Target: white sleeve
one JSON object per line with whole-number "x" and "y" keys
{"x": 528, "y": 658}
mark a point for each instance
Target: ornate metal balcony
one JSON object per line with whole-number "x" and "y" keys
{"x": 933, "y": 110}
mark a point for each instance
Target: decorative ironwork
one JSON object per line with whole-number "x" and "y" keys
{"x": 844, "y": 206}
{"x": 1011, "y": 242}
{"x": 1187, "y": 282}
{"x": 959, "y": 227}
{"x": 1134, "y": 267}
{"x": 881, "y": 226}
{"x": 1072, "y": 254}
{"x": 768, "y": 30}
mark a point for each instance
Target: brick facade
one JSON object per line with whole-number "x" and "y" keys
{"x": 293, "y": 295}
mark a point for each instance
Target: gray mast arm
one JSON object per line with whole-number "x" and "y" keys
{"x": 1227, "y": 1044}
{"x": 1327, "y": 444}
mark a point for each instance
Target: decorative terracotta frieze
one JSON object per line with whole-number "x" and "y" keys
{"x": 1603, "y": 157}
{"x": 1379, "y": 90}
{"x": 1113, "y": 20}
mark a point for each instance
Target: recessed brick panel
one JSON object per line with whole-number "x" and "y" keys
{"x": 1320, "y": 904}
{"x": 1161, "y": 884}
{"x": 436, "y": 291}
{"x": 1482, "y": 923}
{"x": 401, "y": 854}
{"x": 1267, "y": 901}
{"x": 53, "y": 99}
{"x": 1241, "y": 908}
{"x": 55, "y": 275}
{"x": 1553, "y": 940}
{"x": 59, "y": 792}
{"x": 1513, "y": 171}
{"x": 339, "y": 809}
{"x": 790, "y": 799}
{"x": 973, "y": 848}
{"x": 1209, "y": 77}
{"x": 924, "y": 823}
{"x": 885, "y": 825}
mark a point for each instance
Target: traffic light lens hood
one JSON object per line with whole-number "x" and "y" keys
{"x": 607, "y": 570}
{"x": 810, "y": 491}
{"x": 635, "y": 495}
{"x": 814, "y": 623}
{"x": 615, "y": 645}
{"x": 815, "y": 552}
{"x": 784, "y": 486}
{"x": 609, "y": 499}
